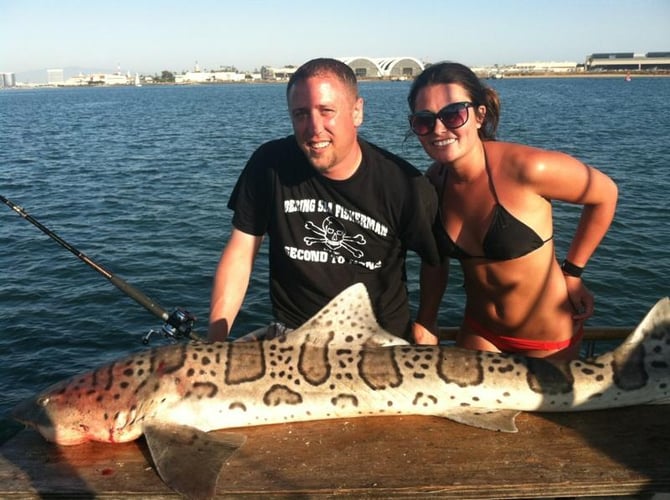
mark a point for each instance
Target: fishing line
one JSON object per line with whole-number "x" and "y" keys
{"x": 177, "y": 324}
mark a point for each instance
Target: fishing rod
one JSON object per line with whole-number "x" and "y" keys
{"x": 177, "y": 324}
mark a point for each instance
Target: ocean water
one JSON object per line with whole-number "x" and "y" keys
{"x": 138, "y": 179}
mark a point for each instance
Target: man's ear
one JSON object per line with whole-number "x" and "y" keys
{"x": 358, "y": 112}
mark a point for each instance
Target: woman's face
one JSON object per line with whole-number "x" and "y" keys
{"x": 447, "y": 145}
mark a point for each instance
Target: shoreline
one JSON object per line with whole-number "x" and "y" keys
{"x": 503, "y": 76}
{"x": 621, "y": 75}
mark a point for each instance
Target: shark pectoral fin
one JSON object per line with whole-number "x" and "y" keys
{"x": 493, "y": 420}
{"x": 664, "y": 401}
{"x": 176, "y": 448}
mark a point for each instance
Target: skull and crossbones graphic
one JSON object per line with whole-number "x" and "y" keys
{"x": 332, "y": 234}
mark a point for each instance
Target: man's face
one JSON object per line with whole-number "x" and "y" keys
{"x": 325, "y": 115}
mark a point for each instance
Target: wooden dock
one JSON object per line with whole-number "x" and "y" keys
{"x": 622, "y": 452}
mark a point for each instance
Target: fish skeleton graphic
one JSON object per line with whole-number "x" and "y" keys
{"x": 340, "y": 363}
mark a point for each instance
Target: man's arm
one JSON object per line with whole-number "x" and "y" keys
{"x": 231, "y": 280}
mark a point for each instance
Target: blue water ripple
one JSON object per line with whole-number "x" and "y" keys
{"x": 138, "y": 179}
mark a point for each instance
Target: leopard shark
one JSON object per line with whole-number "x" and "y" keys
{"x": 340, "y": 364}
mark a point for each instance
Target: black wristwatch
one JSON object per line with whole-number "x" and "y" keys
{"x": 571, "y": 269}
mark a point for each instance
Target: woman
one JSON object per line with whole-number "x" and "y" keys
{"x": 496, "y": 219}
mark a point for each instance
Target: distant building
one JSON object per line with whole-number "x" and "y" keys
{"x": 400, "y": 68}
{"x": 7, "y": 80}
{"x": 55, "y": 76}
{"x": 363, "y": 67}
{"x": 628, "y": 61}
{"x": 107, "y": 79}
{"x": 224, "y": 74}
{"x": 270, "y": 73}
{"x": 392, "y": 68}
{"x": 209, "y": 77}
{"x": 546, "y": 67}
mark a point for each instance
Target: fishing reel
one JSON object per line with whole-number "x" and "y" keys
{"x": 179, "y": 324}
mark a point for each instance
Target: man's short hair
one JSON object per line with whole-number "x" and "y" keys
{"x": 325, "y": 66}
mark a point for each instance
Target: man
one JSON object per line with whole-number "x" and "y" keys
{"x": 337, "y": 209}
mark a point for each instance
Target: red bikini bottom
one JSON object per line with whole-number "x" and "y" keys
{"x": 514, "y": 344}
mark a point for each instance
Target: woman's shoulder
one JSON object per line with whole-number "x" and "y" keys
{"x": 530, "y": 166}
{"x": 511, "y": 150}
{"x": 518, "y": 160}
{"x": 521, "y": 154}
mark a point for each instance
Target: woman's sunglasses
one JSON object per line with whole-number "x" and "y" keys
{"x": 453, "y": 116}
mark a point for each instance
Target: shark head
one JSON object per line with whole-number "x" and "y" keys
{"x": 109, "y": 404}
{"x": 66, "y": 415}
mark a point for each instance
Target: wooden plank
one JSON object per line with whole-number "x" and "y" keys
{"x": 614, "y": 452}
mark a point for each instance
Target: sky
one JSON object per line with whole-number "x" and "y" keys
{"x": 149, "y": 36}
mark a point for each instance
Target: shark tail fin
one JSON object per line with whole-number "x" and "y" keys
{"x": 652, "y": 332}
{"x": 656, "y": 323}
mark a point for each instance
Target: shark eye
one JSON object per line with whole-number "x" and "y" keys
{"x": 43, "y": 402}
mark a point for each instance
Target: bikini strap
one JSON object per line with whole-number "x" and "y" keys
{"x": 488, "y": 172}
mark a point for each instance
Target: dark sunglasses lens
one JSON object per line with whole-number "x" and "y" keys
{"x": 423, "y": 123}
{"x": 454, "y": 118}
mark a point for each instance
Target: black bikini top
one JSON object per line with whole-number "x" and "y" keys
{"x": 507, "y": 237}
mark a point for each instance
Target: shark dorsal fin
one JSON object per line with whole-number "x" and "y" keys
{"x": 347, "y": 319}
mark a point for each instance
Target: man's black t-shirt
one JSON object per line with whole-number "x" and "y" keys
{"x": 325, "y": 235}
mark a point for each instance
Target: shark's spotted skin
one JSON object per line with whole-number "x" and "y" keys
{"x": 466, "y": 372}
{"x": 341, "y": 363}
{"x": 244, "y": 362}
{"x": 313, "y": 363}
{"x": 281, "y": 395}
{"x": 374, "y": 378}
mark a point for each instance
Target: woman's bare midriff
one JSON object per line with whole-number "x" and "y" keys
{"x": 534, "y": 307}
